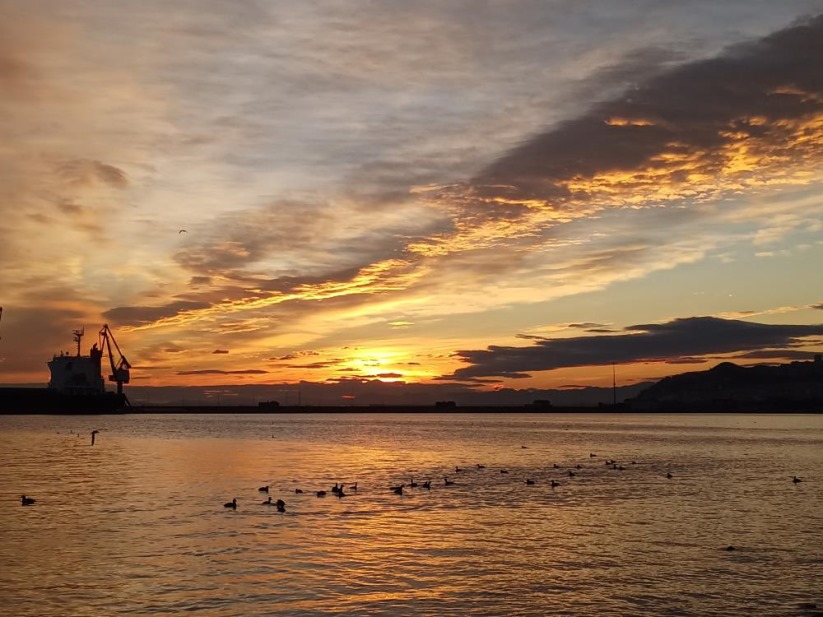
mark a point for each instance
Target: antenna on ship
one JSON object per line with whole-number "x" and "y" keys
{"x": 614, "y": 385}
{"x": 78, "y": 336}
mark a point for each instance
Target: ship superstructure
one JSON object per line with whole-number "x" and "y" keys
{"x": 76, "y": 384}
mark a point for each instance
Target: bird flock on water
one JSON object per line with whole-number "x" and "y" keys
{"x": 339, "y": 489}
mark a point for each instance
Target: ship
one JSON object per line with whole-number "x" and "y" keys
{"x": 76, "y": 384}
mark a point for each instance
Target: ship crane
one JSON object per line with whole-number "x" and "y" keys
{"x": 120, "y": 369}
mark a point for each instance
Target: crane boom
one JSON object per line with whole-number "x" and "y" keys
{"x": 120, "y": 369}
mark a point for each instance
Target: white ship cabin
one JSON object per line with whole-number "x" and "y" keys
{"x": 77, "y": 375}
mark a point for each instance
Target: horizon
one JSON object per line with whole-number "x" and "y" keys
{"x": 411, "y": 199}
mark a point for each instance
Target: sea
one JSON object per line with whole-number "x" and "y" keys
{"x": 652, "y": 514}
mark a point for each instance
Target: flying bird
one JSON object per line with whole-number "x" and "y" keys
{"x": 182, "y": 231}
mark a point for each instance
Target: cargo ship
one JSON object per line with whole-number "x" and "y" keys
{"x": 76, "y": 384}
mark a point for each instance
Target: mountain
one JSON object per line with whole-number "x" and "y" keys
{"x": 797, "y": 386}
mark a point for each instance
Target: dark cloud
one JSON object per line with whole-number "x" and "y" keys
{"x": 294, "y": 355}
{"x": 667, "y": 342}
{"x": 694, "y": 110}
{"x": 139, "y": 315}
{"x": 85, "y": 172}
{"x": 770, "y": 354}
{"x": 316, "y": 365}
{"x": 250, "y": 371}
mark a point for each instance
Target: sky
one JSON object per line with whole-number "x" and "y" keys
{"x": 483, "y": 195}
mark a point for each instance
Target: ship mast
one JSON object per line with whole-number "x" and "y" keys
{"x": 78, "y": 336}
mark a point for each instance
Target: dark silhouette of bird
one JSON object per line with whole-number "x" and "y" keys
{"x": 182, "y": 231}
{"x": 729, "y": 548}
{"x": 398, "y": 490}
{"x": 426, "y": 484}
{"x": 335, "y": 488}
{"x": 267, "y": 502}
{"x": 298, "y": 491}
{"x": 555, "y": 483}
{"x": 321, "y": 493}
{"x": 26, "y": 501}
{"x": 504, "y": 471}
{"x": 529, "y": 481}
{"x": 281, "y": 505}
{"x": 795, "y": 479}
{"x": 340, "y": 493}
{"x": 592, "y": 455}
{"x": 412, "y": 483}
{"x": 448, "y": 482}
{"x": 93, "y": 435}
{"x": 353, "y": 487}
{"x": 232, "y": 504}
{"x": 579, "y": 466}
{"x": 264, "y": 489}
{"x": 571, "y": 473}
{"x": 479, "y": 466}
{"x": 669, "y": 475}
{"x": 457, "y": 470}
{"x": 555, "y": 466}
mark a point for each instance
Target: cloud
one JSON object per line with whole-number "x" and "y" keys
{"x": 695, "y": 130}
{"x": 137, "y": 315}
{"x": 294, "y": 355}
{"x": 666, "y": 342}
{"x": 221, "y": 372}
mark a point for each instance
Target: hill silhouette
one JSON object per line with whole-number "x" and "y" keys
{"x": 797, "y": 386}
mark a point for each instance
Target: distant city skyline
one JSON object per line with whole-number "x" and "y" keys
{"x": 466, "y": 197}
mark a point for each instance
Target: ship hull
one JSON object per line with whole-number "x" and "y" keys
{"x": 47, "y": 401}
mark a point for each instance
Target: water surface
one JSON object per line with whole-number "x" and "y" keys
{"x": 136, "y": 523}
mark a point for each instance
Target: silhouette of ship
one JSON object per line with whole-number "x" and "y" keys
{"x": 76, "y": 384}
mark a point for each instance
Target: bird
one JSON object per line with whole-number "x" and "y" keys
{"x": 398, "y": 490}
{"x": 529, "y": 481}
{"x": 571, "y": 473}
{"x": 335, "y": 488}
{"x": 448, "y": 482}
{"x": 321, "y": 493}
{"x": 592, "y": 455}
{"x": 26, "y": 501}
{"x": 298, "y": 491}
{"x": 457, "y": 470}
{"x": 426, "y": 484}
{"x": 555, "y": 483}
{"x": 795, "y": 479}
{"x": 264, "y": 489}
{"x": 281, "y": 505}
{"x": 412, "y": 483}
{"x": 93, "y": 434}
{"x": 182, "y": 231}
{"x": 232, "y": 504}
{"x": 267, "y": 502}
{"x": 479, "y": 466}
{"x": 504, "y": 471}
{"x": 353, "y": 487}
{"x": 669, "y": 475}
{"x": 340, "y": 492}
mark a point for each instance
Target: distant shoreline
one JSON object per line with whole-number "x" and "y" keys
{"x": 429, "y": 409}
